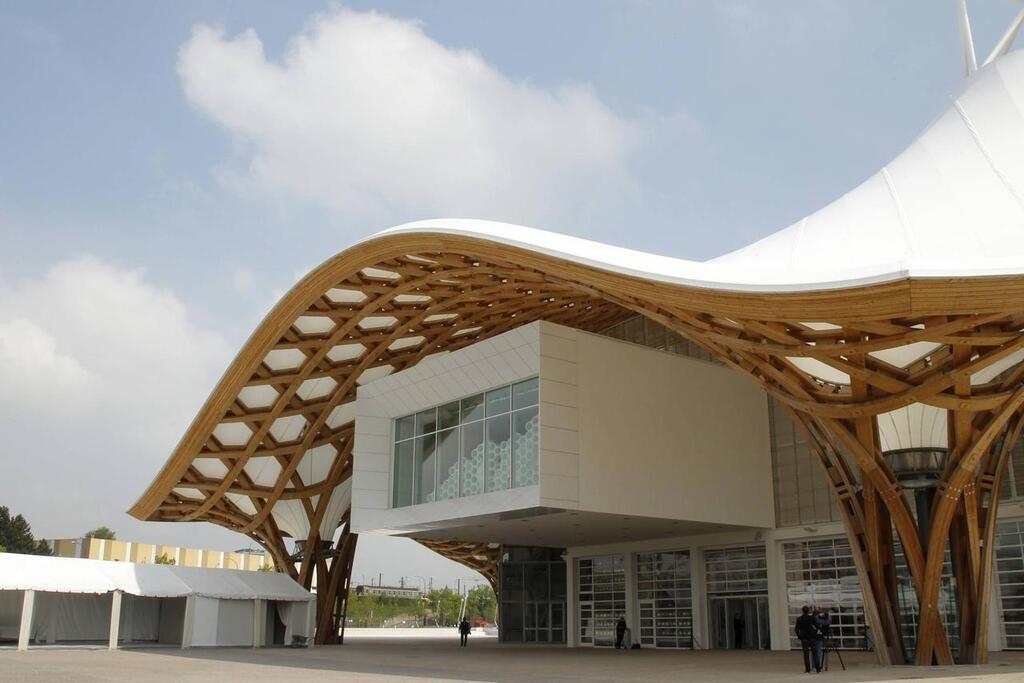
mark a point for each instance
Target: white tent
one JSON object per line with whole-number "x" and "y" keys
{"x": 47, "y": 600}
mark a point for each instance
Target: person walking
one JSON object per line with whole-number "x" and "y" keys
{"x": 620, "y": 632}
{"x": 463, "y": 632}
{"x": 807, "y": 633}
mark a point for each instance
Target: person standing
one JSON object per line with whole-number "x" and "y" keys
{"x": 463, "y": 632}
{"x": 807, "y": 633}
{"x": 620, "y": 632}
{"x": 738, "y": 627}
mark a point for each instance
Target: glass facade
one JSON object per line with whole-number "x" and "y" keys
{"x": 802, "y": 493}
{"x": 737, "y": 587}
{"x": 482, "y": 443}
{"x": 821, "y": 573}
{"x": 533, "y": 595}
{"x": 601, "y": 590}
{"x": 646, "y": 332}
{"x": 664, "y": 599}
{"x": 1010, "y": 572}
{"x": 909, "y": 606}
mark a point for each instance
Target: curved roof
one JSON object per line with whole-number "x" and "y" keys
{"x": 939, "y": 232}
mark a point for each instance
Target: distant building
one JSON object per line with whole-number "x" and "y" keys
{"x": 147, "y": 553}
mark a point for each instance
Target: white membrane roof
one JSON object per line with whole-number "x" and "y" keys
{"x": 951, "y": 205}
{"x": 75, "y": 575}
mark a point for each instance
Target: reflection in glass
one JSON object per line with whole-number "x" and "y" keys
{"x": 426, "y": 421}
{"x": 425, "y": 466}
{"x": 498, "y": 401}
{"x": 403, "y": 474}
{"x": 448, "y": 415}
{"x": 499, "y": 450}
{"x": 524, "y": 394}
{"x": 405, "y": 428}
{"x": 471, "y": 468}
{"x": 447, "y": 464}
{"x": 525, "y": 441}
{"x": 473, "y": 408}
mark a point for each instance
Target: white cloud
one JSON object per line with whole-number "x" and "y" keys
{"x": 365, "y": 113}
{"x": 102, "y": 372}
{"x": 242, "y": 279}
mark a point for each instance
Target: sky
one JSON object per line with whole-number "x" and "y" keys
{"x": 169, "y": 170}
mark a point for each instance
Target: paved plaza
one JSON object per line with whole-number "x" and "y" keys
{"x": 427, "y": 659}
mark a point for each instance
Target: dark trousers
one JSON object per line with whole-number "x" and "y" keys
{"x": 618, "y": 639}
{"x": 463, "y": 639}
{"x": 812, "y": 652}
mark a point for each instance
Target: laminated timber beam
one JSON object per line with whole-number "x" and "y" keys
{"x": 394, "y": 300}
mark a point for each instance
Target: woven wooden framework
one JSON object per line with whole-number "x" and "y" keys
{"x": 405, "y": 296}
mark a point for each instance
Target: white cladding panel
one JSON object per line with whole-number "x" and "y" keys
{"x": 623, "y": 429}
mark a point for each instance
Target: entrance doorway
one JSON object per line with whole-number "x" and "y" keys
{"x": 739, "y": 622}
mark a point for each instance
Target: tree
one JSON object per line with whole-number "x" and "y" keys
{"x": 163, "y": 559}
{"x": 444, "y": 606}
{"x": 16, "y": 535}
{"x": 101, "y": 532}
{"x": 481, "y": 603}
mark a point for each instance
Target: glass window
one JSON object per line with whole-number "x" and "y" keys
{"x": 525, "y": 445}
{"x": 448, "y": 415}
{"x": 447, "y": 464}
{"x": 425, "y": 466}
{"x": 473, "y": 408}
{"x": 405, "y": 428}
{"x": 524, "y": 394}
{"x": 426, "y": 421}
{"x": 482, "y": 443}
{"x": 664, "y": 599}
{"x": 498, "y": 401}
{"x": 471, "y": 468}
{"x": 821, "y": 573}
{"x": 403, "y": 474}
{"x": 499, "y": 447}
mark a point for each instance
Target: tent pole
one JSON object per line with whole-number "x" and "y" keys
{"x": 186, "y": 628}
{"x": 28, "y": 608}
{"x": 115, "y": 619}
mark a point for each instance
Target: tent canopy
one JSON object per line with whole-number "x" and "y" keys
{"x": 73, "y": 575}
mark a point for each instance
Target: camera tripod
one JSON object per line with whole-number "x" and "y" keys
{"x": 830, "y": 646}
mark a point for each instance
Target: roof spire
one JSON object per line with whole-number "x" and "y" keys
{"x": 967, "y": 39}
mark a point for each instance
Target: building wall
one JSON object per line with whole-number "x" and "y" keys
{"x": 147, "y": 553}
{"x": 672, "y": 437}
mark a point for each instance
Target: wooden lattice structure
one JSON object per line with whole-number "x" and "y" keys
{"x": 902, "y": 301}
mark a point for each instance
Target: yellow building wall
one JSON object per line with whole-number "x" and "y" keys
{"x": 142, "y": 553}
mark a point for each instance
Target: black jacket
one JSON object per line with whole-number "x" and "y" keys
{"x": 806, "y": 627}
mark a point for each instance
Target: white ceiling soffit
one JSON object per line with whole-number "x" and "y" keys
{"x": 820, "y": 370}
{"x": 232, "y": 433}
{"x": 259, "y": 396}
{"x": 341, "y": 498}
{"x": 342, "y": 415}
{"x": 914, "y": 426}
{"x": 211, "y": 468}
{"x": 316, "y": 464}
{"x": 903, "y": 356}
{"x": 263, "y": 471}
{"x": 290, "y": 516}
{"x": 315, "y": 388}
{"x": 991, "y": 372}
{"x": 243, "y": 503}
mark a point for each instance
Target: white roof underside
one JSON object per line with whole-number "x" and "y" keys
{"x": 950, "y": 205}
{"x": 74, "y": 575}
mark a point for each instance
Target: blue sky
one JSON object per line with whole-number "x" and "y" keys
{"x": 161, "y": 185}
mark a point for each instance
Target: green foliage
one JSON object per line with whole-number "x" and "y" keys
{"x": 266, "y": 568}
{"x": 444, "y": 607}
{"x": 378, "y": 610}
{"x": 101, "y": 532}
{"x": 2, "y": 549}
{"x": 481, "y": 603}
{"x": 163, "y": 559}
{"x": 16, "y": 535}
